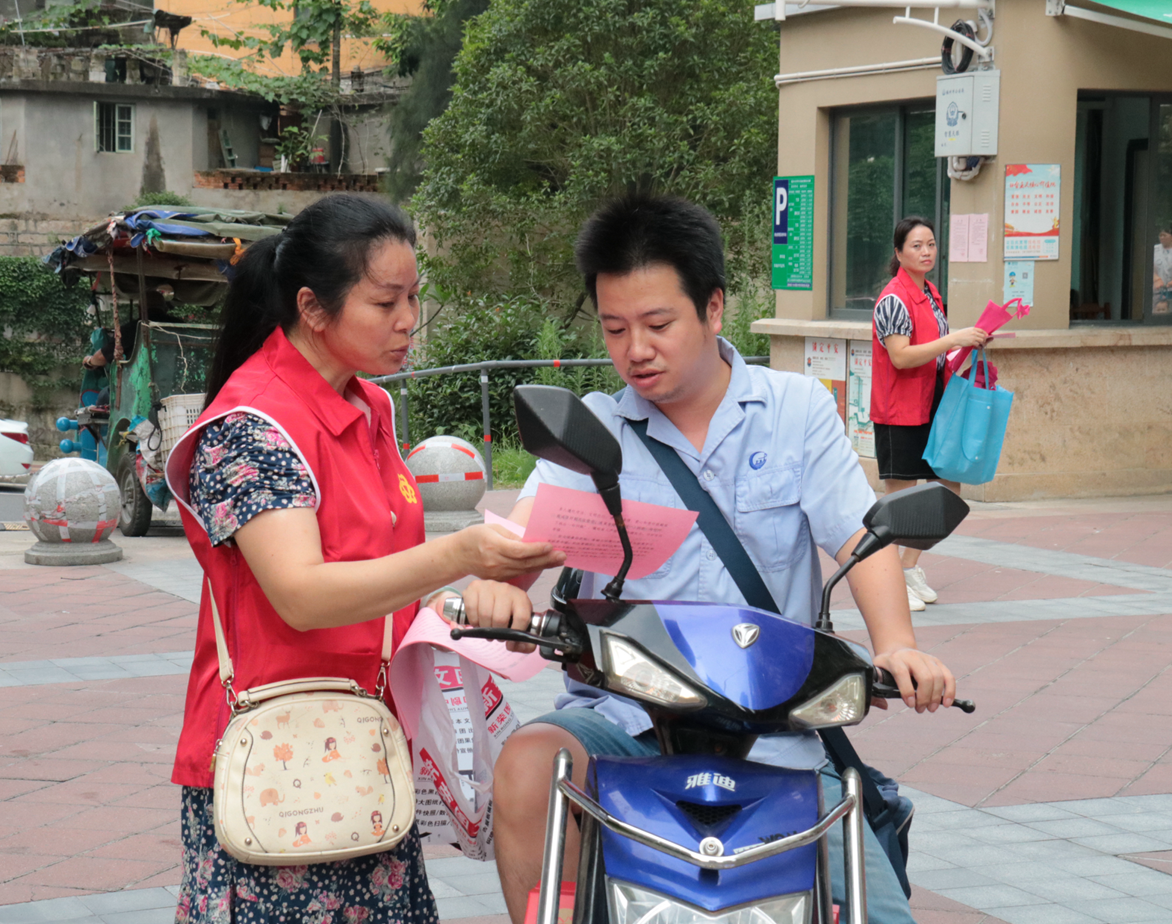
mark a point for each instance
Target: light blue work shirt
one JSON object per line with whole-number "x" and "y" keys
{"x": 780, "y": 467}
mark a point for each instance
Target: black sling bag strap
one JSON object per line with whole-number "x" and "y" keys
{"x": 744, "y": 573}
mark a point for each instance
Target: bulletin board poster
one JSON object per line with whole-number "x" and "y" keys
{"x": 858, "y": 398}
{"x": 1031, "y": 211}
{"x": 1019, "y": 281}
{"x": 793, "y": 232}
{"x": 826, "y": 361}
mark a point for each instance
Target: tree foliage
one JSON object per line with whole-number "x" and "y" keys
{"x": 561, "y": 103}
{"x": 45, "y": 325}
{"x": 423, "y": 47}
{"x": 484, "y": 330}
{"x": 310, "y": 28}
{"x": 69, "y": 25}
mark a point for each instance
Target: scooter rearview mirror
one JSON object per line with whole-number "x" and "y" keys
{"x": 556, "y": 426}
{"x": 917, "y": 518}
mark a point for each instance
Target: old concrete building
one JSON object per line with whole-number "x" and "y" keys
{"x": 85, "y": 132}
{"x": 1085, "y": 91}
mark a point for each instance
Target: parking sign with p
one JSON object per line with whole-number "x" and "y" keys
{"x": 780, "y": 211}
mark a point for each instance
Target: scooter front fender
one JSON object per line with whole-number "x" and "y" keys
{"x": 697, "y": 801}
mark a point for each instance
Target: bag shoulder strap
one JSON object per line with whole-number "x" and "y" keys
{"x": 748, "y": 579}
{"x": 227, "y": 672}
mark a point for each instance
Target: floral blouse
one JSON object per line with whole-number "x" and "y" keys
{"x": 243, "y": 466}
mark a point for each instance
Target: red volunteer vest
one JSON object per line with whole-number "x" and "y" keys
{"x": 367, "y": 506}
{"x": 904, "y": 396}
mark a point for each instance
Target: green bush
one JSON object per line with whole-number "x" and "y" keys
{"x": 163, "y": 197}
{"x": 479, "y": 330}
{"x": 752, "y": 303}
{"x": 46, "y": 325}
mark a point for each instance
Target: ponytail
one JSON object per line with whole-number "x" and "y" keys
{"x": 325, "y": 249}
{"x": 252, "y": 310}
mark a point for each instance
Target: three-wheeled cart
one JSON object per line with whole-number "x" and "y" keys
{"x": 145, "y": 265}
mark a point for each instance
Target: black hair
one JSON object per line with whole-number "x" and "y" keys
{"x": 642, "y": 230}
{"x": 902, "y": 230}
{"x": 1164, "y": 226}
{"x": 325, "y": 249}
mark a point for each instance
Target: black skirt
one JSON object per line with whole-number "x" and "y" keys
{"x": 900, "y": 450}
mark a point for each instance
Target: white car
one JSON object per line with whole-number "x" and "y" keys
{"x": 16, "y": 455}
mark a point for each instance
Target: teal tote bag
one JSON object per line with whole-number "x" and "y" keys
{"x": 969, "y": 427}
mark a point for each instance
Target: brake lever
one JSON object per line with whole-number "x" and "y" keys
{"x": 549, "y": 647}
{"x": 500, "y": 635}
{"x": 885, "y": 688}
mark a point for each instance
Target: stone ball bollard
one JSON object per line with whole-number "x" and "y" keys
{"x": 71, "y": 506}
{"x": 450, "y": 475}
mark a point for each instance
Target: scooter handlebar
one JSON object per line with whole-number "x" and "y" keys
{"x": 885, "y": 687}
{"x": 543, "y": 631}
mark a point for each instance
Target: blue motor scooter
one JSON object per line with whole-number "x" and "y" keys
{"x": 700, "y": 834}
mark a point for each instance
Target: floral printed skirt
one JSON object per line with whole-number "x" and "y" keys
{"x": 382, "y": 888}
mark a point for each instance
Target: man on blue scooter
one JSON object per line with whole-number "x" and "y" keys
{"x": 771, "y": 450}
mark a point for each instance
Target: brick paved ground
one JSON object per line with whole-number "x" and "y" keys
{"x": 1050, "y": 804}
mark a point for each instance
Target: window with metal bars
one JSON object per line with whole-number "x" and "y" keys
{"x": 114, "y": 127}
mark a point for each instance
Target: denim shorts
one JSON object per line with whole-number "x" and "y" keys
{"x": 598, "y": 735}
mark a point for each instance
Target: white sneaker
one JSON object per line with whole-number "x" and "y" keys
{"x": 918, "y": 584}
{"x": 914, "y": 603}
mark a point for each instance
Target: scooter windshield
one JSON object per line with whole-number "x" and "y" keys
{"x": 753, "y": 658}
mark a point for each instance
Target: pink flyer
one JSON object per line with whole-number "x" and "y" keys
{"x": 577, "y": 523}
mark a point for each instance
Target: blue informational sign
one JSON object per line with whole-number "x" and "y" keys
{"x": 780, "y": 211}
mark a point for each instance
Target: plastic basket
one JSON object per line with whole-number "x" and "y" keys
{"x": 176, "y": 416}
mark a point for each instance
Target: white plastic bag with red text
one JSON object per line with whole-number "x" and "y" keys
{"x": 464, "y": 721}
{"x": 457, "y": 719}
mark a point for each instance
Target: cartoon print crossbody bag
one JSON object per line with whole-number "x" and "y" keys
{"x": 310, "y": 770}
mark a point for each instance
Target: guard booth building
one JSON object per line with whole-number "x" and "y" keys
{"x": 1045, "y": 163}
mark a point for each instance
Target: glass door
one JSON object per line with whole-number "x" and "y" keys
{"x": 883, "y": 168}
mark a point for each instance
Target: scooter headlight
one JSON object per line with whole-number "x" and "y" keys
{"x": 844, "y": 703}
{"x": 627, "y": 668}
{"x": 632, "y": 905}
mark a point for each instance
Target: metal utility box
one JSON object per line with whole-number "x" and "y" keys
{"x": 966, "y": 114}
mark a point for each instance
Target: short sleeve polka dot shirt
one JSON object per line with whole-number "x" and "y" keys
{"x": 244, "y": 466}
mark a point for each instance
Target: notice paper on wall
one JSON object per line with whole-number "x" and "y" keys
{"x": 1019, "y": 281}
{"x": 968, "y": 238}
{"x": 979, "y": 237}
{"x": 958, "y": 238}
{"x": 825, "y": 360}
{"x": 858, "y": 403}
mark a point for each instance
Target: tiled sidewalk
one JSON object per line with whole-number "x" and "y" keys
{"x": 1050, "y": 804}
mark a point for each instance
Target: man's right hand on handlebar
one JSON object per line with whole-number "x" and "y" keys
{"x": 924, "y": 681}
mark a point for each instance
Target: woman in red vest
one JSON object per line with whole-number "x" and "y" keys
{"x": 910, "y": 339}
{"x": 309, "y": 529}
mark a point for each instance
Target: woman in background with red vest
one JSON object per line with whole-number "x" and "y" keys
{"x": 309, "y": 528}
{"x": 910, "y": 339}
